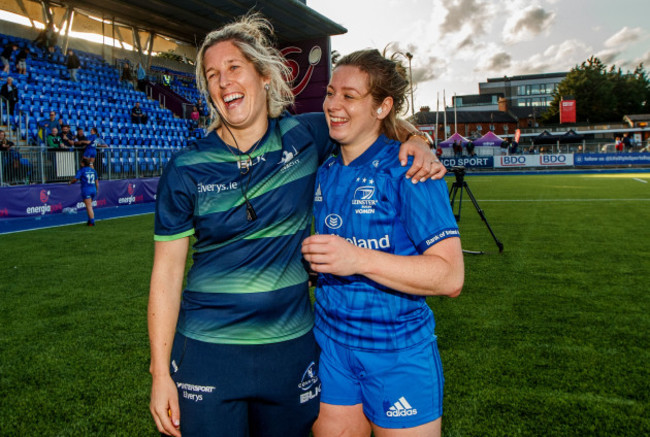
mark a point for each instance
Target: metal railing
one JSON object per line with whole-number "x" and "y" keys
{"x": 584, "y": 146}
{"x": 23, "y": 165}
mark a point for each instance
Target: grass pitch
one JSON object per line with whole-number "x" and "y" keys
{"x": 549, "y": 337}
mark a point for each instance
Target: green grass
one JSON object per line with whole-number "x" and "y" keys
{"x": 548, "y": 338}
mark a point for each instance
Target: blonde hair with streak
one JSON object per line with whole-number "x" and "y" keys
{"x": 387, "y": 77}
{"x": 251, "y": 34}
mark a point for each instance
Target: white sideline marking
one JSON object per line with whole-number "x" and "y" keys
{"x": 640, "y": 180}
{"x": 562, "y": 200}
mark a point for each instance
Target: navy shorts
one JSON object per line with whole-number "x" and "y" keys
{"x": 398, "y": 389}
{"x": 270, "y": 390}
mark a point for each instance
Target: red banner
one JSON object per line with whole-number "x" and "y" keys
{"x": 567, "y": 111}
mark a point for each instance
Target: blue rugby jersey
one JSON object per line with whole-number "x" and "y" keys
{"x": 371, "y": 204}
{"x": 248, "y": 282}
{"x": 87, "y": 177}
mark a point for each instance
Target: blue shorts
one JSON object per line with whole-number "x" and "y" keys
{"x": 398, "y": 389}
{"x": 231, "y": 390}
{"x": 88, "y": 194}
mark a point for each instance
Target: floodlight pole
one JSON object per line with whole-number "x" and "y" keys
{"x": 410, "y": 56}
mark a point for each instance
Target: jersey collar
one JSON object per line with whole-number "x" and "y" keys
{"x": 370, "y": 153}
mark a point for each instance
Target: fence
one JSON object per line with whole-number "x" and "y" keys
{"x": 593, "y": 145}
{"x": 23, "y": 165}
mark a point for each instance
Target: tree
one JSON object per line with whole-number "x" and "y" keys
{"x": 602, "y": 94}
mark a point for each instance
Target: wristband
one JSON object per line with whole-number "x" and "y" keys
{"x": 425, "y": 136}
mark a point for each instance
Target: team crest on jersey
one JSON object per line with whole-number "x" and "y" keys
{"x": 364, "y": 197}
{"x": 318, "y": 197}
{"x": 310, "y": 383}
{"x": 288, "y": 160}
{"x": 333, "y": 221}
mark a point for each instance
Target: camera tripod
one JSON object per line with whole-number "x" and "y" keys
{"x": 459, "y": 185}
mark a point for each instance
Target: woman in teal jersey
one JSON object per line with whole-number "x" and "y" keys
{"x": 232, "y": 352}
{"x": 382, "y": 247}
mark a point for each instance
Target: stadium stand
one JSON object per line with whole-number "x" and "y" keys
{"x": 98, "y": 99}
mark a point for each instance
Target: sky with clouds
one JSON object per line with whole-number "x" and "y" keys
{"x": 458, "y": 43}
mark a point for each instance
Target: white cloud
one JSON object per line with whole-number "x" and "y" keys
{"x": 527, "y": 23}
{"x": 624, "y": 37}
{"x": 561, "y": 57}
{"x": 498, "y": 63}
{"x": 472, "y": 14}
{"x": 608, "y": 56}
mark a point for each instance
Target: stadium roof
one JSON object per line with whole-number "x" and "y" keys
{"x": 190, "y": 20}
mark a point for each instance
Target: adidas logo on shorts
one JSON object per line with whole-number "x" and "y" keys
{"x": 401, "y": 408}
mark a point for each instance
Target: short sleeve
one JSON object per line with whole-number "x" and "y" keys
{"x": 426, "y": 213}
{"x": 174, "y": 206}
{"x": 317, "y": 125}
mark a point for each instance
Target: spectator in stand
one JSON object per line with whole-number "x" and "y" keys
{"x": 49, "y": 123}
{"x": 6, "y": 55}
{"x": 137, "y": 115}
{"x": 67, "y": 138}
{"x": 469, "y": 147}
{"x": 47, "y": 39}
{"x": 194, "y": 118}
{"x": 505, "y": 146}
{"x": 89, "y": 187}
{"x": 618, "y": 144}
{"x": 627, "y": 142}
{"x": 10, "y": 92}
{"x": 53, "y": 139}
{"x": 80, "y": 141}
{"x": 127, "y": 74}
{"x": 513, "y": 148}
{"x": 21, "y": 60}
{"x": 5, "y": 144}
{"x": 10, "y": 158}
{"x": 438, "y": 151}
{"x": 73, "y": 65}
{"x": 458, "y": 149}
{"x": 203, "y": 112}
{"x": 142, "y": 78}
{"x": 166, "y": 79}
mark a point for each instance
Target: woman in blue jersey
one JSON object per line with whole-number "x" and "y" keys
{"x": 381, "y": 247}
{"x": 232, "y": 349}
{"x": 87, "y": 176}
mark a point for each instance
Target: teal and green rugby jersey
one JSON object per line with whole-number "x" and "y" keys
{"x": 248, "y": 282}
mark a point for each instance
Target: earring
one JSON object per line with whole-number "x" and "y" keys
{"x": 379, "y": 110}
{"x": 266, "y": 86}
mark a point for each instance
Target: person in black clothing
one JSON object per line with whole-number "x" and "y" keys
{"x": 6, "y": 55}
{"x": 67, "y": 138}
{"x": 470, "y": 148}
{"x": 10, "y": 92}
{"x": 73, "y": 65}
{"x": 137, "y": 115}
{"x": 627, "y": 142}
{"x": 80, "y": 140}
{"x": 21, "y": 60}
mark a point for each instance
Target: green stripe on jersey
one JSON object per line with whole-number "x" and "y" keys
{"x": 279, "y": 229}
{"x": 250, "y": 281}
{"x": 173, "y": 237}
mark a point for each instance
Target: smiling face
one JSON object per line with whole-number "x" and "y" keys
{"x": 236, "y": 88}
{"x": 349, "y": 109}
